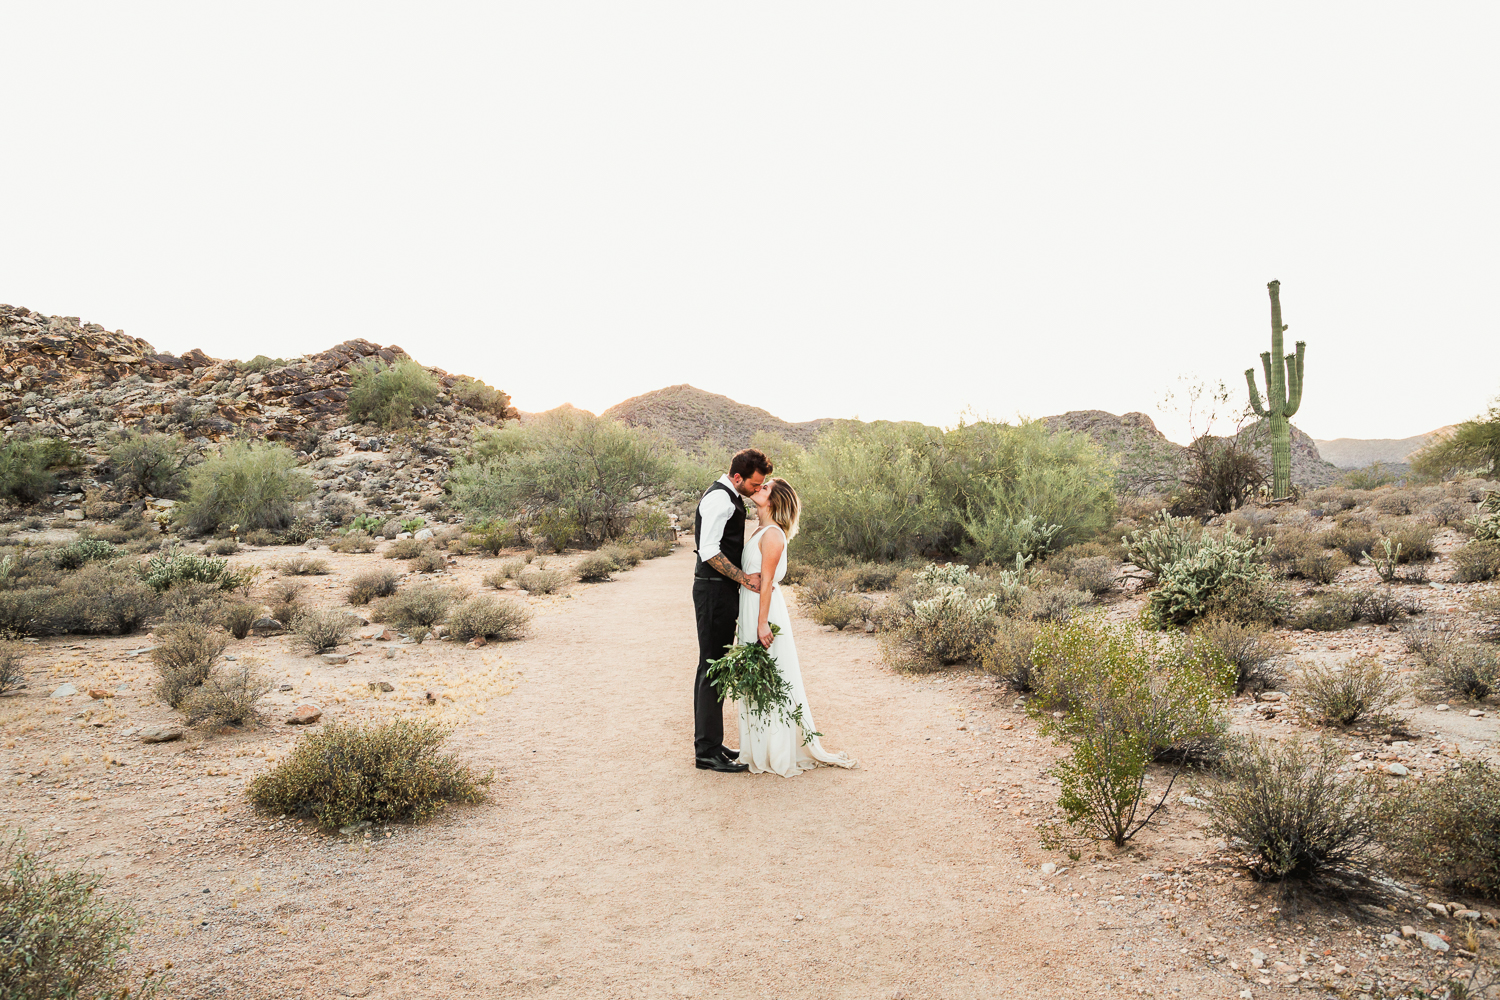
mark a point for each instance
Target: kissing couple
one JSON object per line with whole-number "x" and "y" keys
{"x": 737, "y": 597}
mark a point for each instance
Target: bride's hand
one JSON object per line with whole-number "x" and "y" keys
{"x": 766, "y": 635}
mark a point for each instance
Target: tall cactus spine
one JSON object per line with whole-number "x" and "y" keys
{"x": 1283, "y": 396}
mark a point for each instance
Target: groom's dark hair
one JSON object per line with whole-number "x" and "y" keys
{"x": 748, "y": 462}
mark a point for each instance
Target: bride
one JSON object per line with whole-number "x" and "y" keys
{"x": 768, "y": 742}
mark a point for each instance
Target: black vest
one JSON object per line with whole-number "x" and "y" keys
{"x": 732, "y": 545}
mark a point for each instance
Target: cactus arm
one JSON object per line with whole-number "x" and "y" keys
{"x": 1294, "y": 379}
{"x": 1274, "y": 394}
{"x": 1260, "y": 411}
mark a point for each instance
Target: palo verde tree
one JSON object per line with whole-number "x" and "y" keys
{"x": 1283, "y": 396}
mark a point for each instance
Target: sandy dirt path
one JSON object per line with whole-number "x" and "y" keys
{"x": 610, "y": 866}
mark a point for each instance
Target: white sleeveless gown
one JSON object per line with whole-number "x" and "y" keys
{"x": 768, "y": 744}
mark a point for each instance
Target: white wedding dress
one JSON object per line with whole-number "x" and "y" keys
{"x": 767, "y": 743}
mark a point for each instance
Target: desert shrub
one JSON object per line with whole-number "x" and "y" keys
{"x": 12, "y": 674}
{"x": 1221, "y": 473}
{"x": 320, "y": 629}
{"x": 228, "y": 696}
{"x": 1351, "y": 538}
{"x": 195, "y": 602}
{"x": 817, "y": 588}
{"x": 185, "y": 653}
{"x": 1287, "y": 547}
{"x": 101, "y": 599}
{"x": 1292, "y": 817}
{"x": 238, "y": 617}
{"x": 488, "y": 616}
{"x": 952, "y": 626}
{"x": 869, "y": 576}
{"x": 261, "y": 363}
{"x": 565, "y": 472}
{"x": 655, "y": 548}
{"x": 405, "y": 548}
{"x": 303, "y": 565}
{"x": 1053, "y": 604}
{"x": 222, "y": 547}
{"x": 370, "y": 584}
{"x": 247, "y": 486}
{"x": 1322, "y": 566}
{"x": 413, "y": 524}
{"x": 1463, "y": 668}
{"x": 595, "y": 568}
{"x": 1094, "y": 575}
{"x": 25, "y": 468}
{"x": 1396, "y": 502}
{"x": 511, "y": 569}
{"x": 1333, "y": 499}
{"x": 1356, "y": 690}
{"x": 262, "y": 536}
{"x": 1473, "y": 446}
{"x": 838, "y": 611}
{"x": 1187, "y": 587}
{"x": 541, "y": 581}
{"x": 623, "y": 556}
{"x": 476, "y": 395}
{"x": 350, "y": 773}
{"x": 1477, "y": 561}
{"x": 1381, "y": 606}
{"x": 390, "y": 395}
{"x": 427, "y": 562}
{"x": 1450, "y": 834}
{"x": 62, "y": 938}
{"x": 23, "y": 612}
{"x": 353, "y": 541}
{"x": 1008, "y": 655}
{"x": 75, "y": 554}
{"x": 1251, "y": 649}
{"x": 494, "y": 536}
{"x": 1414, "y": 542}
{"x": 152, "y": 465}
{"x": 417, "y": 609}
{"x": 174, "y": 567}
{"x": 1326, "y": 612}
{"x": 1103, "y": 780}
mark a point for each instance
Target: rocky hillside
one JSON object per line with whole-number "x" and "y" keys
{"x": 706, "y": 423}
{"x": 80, "y": 382}
{"x": 1356, "y": 453}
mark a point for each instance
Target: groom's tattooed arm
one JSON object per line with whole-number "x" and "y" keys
{"x": 721, "y": 563}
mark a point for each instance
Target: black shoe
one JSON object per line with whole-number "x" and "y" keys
{"x": 718, "y": 762}
{"x": 731, "y": 754}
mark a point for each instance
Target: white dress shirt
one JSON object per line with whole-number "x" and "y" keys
{"x": 716, "y": 509}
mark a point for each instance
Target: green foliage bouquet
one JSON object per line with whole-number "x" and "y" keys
{"x": 747, "y": 673}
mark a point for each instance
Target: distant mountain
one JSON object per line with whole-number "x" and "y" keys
{"x": 707, "y": 423}
{"x": 1356, "y": 453}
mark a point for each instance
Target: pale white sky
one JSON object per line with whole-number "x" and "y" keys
{"x": 825, "y": 209}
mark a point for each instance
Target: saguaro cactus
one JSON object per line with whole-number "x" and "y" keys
{"x": 1283, "y": 396}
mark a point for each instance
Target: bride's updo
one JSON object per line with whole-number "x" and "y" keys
{"x": 785, "y": 507}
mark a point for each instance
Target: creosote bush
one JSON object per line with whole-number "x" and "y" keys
{"x": 427, "y": 562}
{"x": 321, "y": 629}
{"x": 541, "y": 581}
{"x": 404, "y": 548}
{"x": 370, "y": 584}
{"x": 838, "y": 611}
{"x": 623, "y": 556}
{"x": 490, "y": 617}
{"x": 25, "y": 467}
{"x": 1462, "y": 668}
{"x": 595, "y": 568}
{"x": 1353, "y": 539}
{"x": 228, "y": 696}
{"x": 655, "y": 548}
{"x": 12, "y": 673}
{"x": 1251, "y": 649}
{"x": 1008, "y": 656}
{"x": 390, "y": 395}
{"x": 100, "y": 599}
{"x": 61, "y": 937}
{"x": 1292, "y": 818}
{"x": 386, "y": 773}
{"x": 1450, "y": 835}
{"x": 150, "y": 465}
{"x": 416, "y": 610}
{"x": 184, "y": 655}
{"x": 304, "y": 565}
{"x": 1477, "y": 561}
{"x": 246, "y": 485}
{"x": 1357, "y": 690}
{"x": 238, "y": 617}
{"x": 353, "y": 541}
{"x": 952, "y": 626}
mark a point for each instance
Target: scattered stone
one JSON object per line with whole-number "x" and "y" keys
{"x": 431, "y": 698}
{"x": 64, "y": 691}
{"x": 386, "y": 635}
{"x": 160, "y": 734}
{"x": 1049, "y": 868}
{"x": 476, "y": 642}
{"x": 304, "y": 715}
{"x": 382, "y": 686}
{"x": 1399, "y": 770}
{"x": 139, "y": 652}
{"x": 1475, "y": 713}
{"x": 1340, "y": 970}
{"x": 438, "y": 631}
{"x": 353, "y": 828}
{"x": 1440, "y": 708}
{"x": 423, "y": 535}
{"x": 1431, "y": 941}
{"x": 1192, "y": 801}
{"x": 97, "y": 693}
{"x": 335, "y": 659}
{"x": 1257, "y": 958}
{"x": 390, "y": 654}
{"x": 1271, "y": 696}
{"x": 1462, "y": 914}
{"x": 73, "y": 515}
{"x": 1408, "y": 931}
{"x": 284, "y": 687}
{"x": 266, "y": 626}
{"x": 1438, "y": 909}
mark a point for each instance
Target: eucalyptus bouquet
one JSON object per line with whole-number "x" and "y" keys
{"x": 747, "y": 673}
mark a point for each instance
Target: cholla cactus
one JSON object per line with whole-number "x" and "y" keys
{"x": 1486, "y": 521}
{"x": 1283, "y": 396}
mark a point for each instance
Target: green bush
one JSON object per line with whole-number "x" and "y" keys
{"x": 1103, "y": 780}
{"x": 595, "y": 568}
{"x": 1357, "y": 690}
{"x": 1477, "y": 561}
{"x": 1251, "y": 649}
{"x": 1451, "y": 830}
{"x": 541, "y": 581}
{"x": 1326, "y": 612}
{"x": 476, "y": 395}
{"x": 153, "y": 465}
{"x": 238, "y": 617}
{"x": 1322, "y": 566}
{"x": 390, "y": 395}
{"x": 320, "y": 629}
{"x": 1414, "y": 542}
{"x": 25, "y": 468}
{"x": 60, "y": 937}
{"x": 1474, "y": 446}
{"x": 228, "y": 696}
{"x": 490, "y": 617}
{"x": 184, "y": 655}
{"x": 84, "y": 550}
{"x": 303, "y": 565}
{"x": 388, "y": 773}
{"x": 623, "y": 556}
{"x": 23, "y": 612}
{"x": 12, "y": 673}
{"x": 246, "y": 486}
{"x": 1293, "y": 818}
{"x": 370, "y": 584}
{"x": 838, "y": 611}
{"x": 173, "y": 567}
{"x": 101, "y": 599}
{"x": 261, "y": 363}
{"x": 1008, "y": 656}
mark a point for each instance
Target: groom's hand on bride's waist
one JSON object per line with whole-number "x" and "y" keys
{"x": 752, "y": 582}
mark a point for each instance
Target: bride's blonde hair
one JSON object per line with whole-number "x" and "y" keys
{"x": 785, "y": 507}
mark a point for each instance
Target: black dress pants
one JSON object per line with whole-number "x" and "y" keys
{"x": 717, "y": 606}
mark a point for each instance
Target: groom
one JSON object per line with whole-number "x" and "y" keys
{"x": 719, "y": 540}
